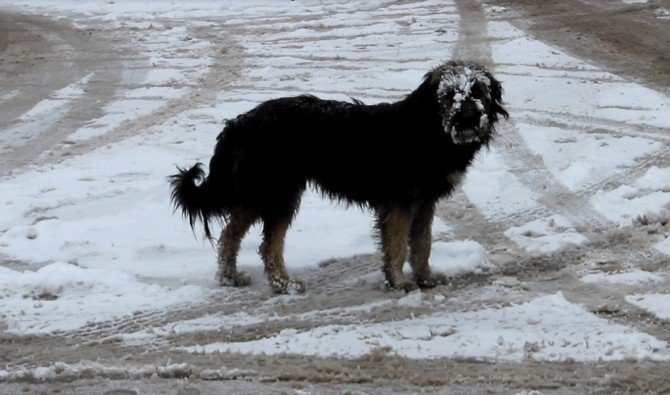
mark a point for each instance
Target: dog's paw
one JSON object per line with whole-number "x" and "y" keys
{"x": 296, "y": 287}
{"x": 433, "y": 281}
{"x": 239, "y": 279}
{"x": 407, "y": 286}
{"x": 287, "y": 287}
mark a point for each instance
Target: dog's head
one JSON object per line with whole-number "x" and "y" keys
{"x": 470, "y": 100}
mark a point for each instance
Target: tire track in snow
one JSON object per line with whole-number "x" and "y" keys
{"x": 114, "y": 125}
{"x": 510, "y": 159}
{"x": 63, "y": 57}
{"x": 458, "y": 211}
{"x": 529, "y": 168}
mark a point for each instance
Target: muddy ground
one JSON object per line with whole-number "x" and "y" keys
{"x": 628, "y": 40}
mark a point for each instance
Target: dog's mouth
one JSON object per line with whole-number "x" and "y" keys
{"x": 467, "y": 129}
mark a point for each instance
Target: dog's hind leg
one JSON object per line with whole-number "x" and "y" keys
{"x": 272, "y": 254}
{"x": 393, "y": 225}
{"x": 420, "y": 241}
{"x": 229, "y": 245}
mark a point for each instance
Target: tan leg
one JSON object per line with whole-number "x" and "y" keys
{"x": 420, "y": 244}
{"x": 272, "y": 254}
{"x": 229, "y": 246}
{"x": 393, "y": 225}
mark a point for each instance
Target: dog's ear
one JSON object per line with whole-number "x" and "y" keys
{"x": 496, "y": 97}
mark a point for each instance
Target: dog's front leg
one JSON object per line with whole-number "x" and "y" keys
{"x": 229, "y": 246}
{"x": 420, "y": 243}
{"x": 393, "y": 224}
{"x": 272, "y": 254}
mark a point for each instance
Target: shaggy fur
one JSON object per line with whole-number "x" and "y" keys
{"x": 396, "y": 158}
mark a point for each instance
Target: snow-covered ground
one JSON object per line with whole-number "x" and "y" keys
{"x": 93, "y": 238}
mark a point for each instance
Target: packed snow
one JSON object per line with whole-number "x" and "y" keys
{"x": 657, "y": 304}
{"x": 546, "y": 328}
{"x": 62, "y": 296}
{"x": 94, "y": 238}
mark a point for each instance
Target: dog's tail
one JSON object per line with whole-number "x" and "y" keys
{"x": 193, "y": 194}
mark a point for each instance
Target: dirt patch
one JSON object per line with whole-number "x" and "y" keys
{"x": 628, "y": 39}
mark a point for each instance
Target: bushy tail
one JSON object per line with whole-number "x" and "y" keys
{"x": 193, "y": 194}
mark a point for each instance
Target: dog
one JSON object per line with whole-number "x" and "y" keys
{"x": 396, "y": 158}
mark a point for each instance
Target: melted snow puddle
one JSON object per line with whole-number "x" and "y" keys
{"x": 546, "y": 328}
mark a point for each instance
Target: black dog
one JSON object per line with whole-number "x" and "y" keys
{"x": 397, "y": 158}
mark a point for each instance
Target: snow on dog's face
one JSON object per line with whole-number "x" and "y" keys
{"x": 470, "y": 101}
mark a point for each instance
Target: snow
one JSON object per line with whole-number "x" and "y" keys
{"x": 663, "y": 245}
{"x": 61, "y": 371}
{"x": 546, "y": 235}
{"x": 657, "y": 304}
{"x": 546, "y": 328}
{"x": 30, "y": 124}
{"x": 458, "y": 257}
{"x": 95, "y": 239}
{"x": 579, "y": 160}
{"x": 576, "y": 88}
{"x": 633, "y": 277}
{"x": 650, "y": 196}
{"x": 495, "y": 190}
{"x": 61, "y": 297}
{"x": 117, "y": 113}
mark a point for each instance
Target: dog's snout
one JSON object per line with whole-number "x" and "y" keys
{"x": 467, "y": 116}
{"x": 469, "y": 108}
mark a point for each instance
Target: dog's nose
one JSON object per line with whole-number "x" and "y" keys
{"x": 469, "y": 108}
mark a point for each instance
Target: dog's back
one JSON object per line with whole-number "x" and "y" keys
{"x": 367, "y": 155}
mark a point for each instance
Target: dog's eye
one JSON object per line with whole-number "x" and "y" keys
{"x": 478, "y": 90}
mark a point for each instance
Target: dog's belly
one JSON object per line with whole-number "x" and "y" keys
{"x": 404, "y": 185}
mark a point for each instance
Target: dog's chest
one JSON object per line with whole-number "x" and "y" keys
{"x": 455, "y": 177}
